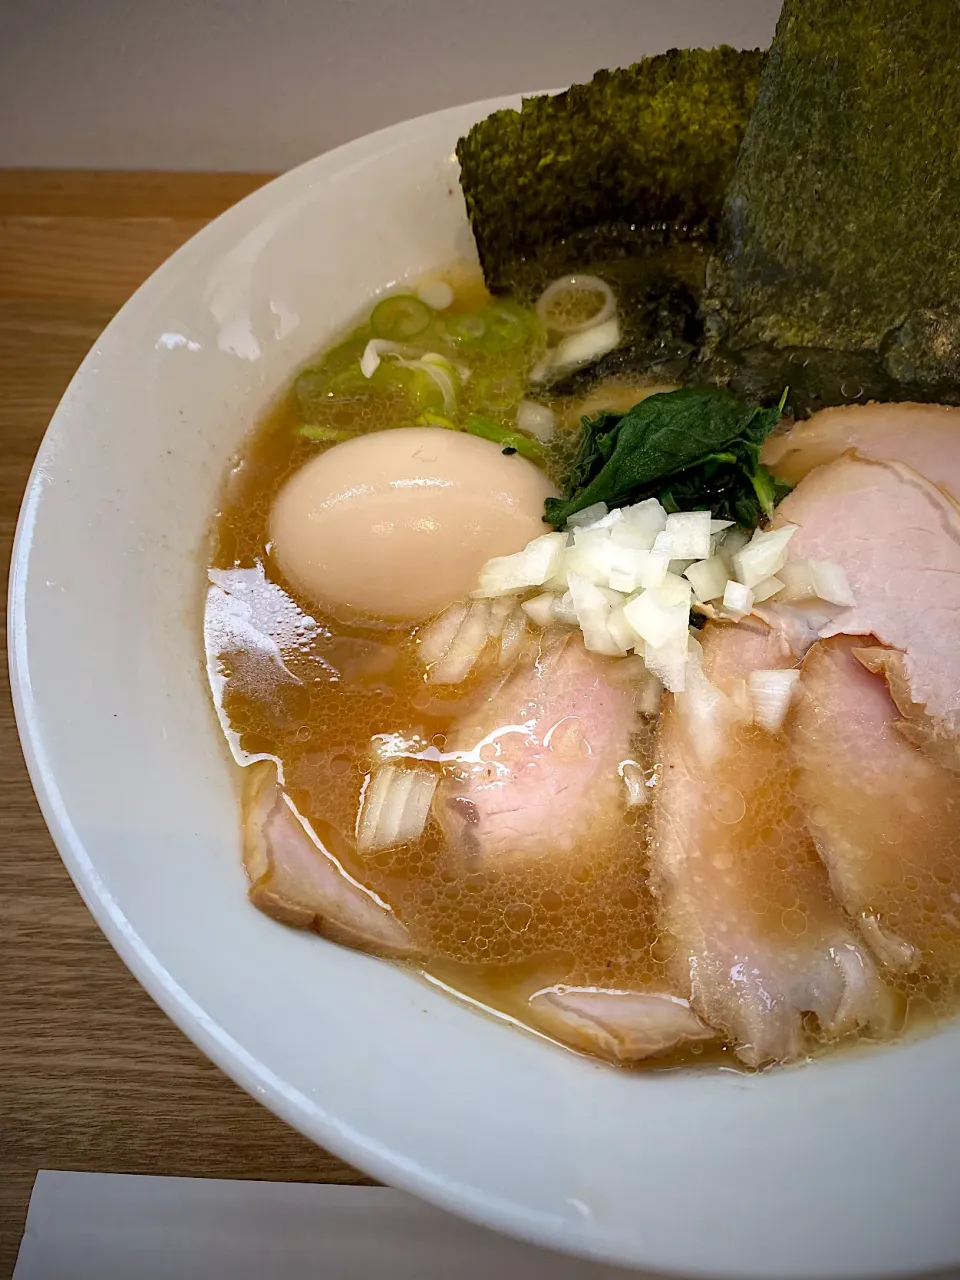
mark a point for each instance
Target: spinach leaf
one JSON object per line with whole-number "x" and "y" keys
{"x": 693, "y": 449}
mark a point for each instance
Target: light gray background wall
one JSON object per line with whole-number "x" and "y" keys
{"x": 264, "y": 84}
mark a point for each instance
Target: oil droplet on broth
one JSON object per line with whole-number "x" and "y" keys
{"x": 727, "y": 804}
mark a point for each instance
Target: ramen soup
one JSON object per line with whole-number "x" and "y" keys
{"x": 632, "y": 739}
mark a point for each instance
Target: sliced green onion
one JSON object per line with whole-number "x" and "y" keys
{"x": 526, "y": 446}
{"x": 467, "y": 328}
{"x": 326, "y": 435}
{"x": 561, "y": 310}
{"x": 510, "y": 325}
{"x": 431, "y": 419}
{"x": 400, "y": 317}
{"x": 499, "y": 326}
{"x": 500, "y": 391}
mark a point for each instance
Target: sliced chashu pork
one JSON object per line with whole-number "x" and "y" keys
{"x": 533, "y": 769}
{"x": 295, "y": 879}
{"x": 760, "y": 940}
{"x": 536, "y": 777}
{"x": 885, "y": 818}
{"x": 898, "y": 538}
{"x": 621, "y": 1026}
{"x": 925, "y": 437}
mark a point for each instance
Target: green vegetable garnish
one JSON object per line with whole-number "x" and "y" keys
{"x": 692, "y": 449}
{"x": 466, "y": 329}
{"x": 511, "y": 441}
{"x": 502, "y": 326}
{"x": 325, "y": 435}
{"x": 431, "y": 419}
{"x": 509, "y": 326}
{"x": 400, "y": 318}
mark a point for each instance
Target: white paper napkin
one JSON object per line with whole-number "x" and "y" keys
{"x": 92, "y": 1226}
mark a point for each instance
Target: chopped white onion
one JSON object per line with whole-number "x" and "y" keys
{"x": 766, "y": 588}
{"x": 797, "y": 580}
{"x": 655, "y": 620}
{"x": 621, "y": 632}
{"x": 460, "y": 659}
{"x": 617, "y": 576}
{"x": 583, "y": 519}
{"x": 708, "y": 578}
{"x": 647, "y": 518}
{"x": 541, "y": 370}
{"x": 668, "y": 662}
{"x": 389, "y": 829}
{"x": 596, "y": 556}
{"x": 587, "y": 345}
{"x": 675, "y": 590}
{"x": 622, "y": 582}
{"x": 500, "y": 610}
{"x": 635, "y": 783}
{"x": 372, "y": 353}
{"x": 417, "y": 809}
{"x": 514, "y": 631}
{"x": 689, "y": 533}
{"x": 537, "y": 419}
{"x": 394, "y": 807}
{"x": 578, "y": 283}
{"x": 593, "y": 535}
{"x": 830, "y": 583}
{"x": 436, "y": 294}
{"x": 609, "y": 520}
{"x": 654, "y": 570}
{"x": 632, "y": 566}
{"x": 707, "y": 714}
{"x": 593, "y": 612}
{"x": 771, "y": 693}
{"x": 737, "y": 599}
{"x": 440, "y": 371}
{"x": 663, "y": 545}
{"x": 540, "y": 610}
{"x": 763, "y": 556}
{"x": 563, "y": 610}
{"x": 810, "y": 581}
{"x": 729, "y": 542}
{"x": 591, "y": 556}
{"x": 531, "y": 567}
{"x": 440, "y": 634}
{"x": 371, "y": 805}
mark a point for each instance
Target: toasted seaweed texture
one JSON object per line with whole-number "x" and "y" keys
{"x": 631, "y": 155}
{"x": 838, "y": 267}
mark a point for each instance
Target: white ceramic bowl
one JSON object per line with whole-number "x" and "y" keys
{"x": 848, "y": 1167}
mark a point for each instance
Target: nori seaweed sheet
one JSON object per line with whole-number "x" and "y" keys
{"x": 838, "y": 269}
{"x": 634, "y": 155}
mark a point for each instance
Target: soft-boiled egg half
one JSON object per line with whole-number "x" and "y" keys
{"x": 396, "y": 525}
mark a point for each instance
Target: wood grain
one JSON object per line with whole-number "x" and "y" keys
{"x": 92, "y": 1074}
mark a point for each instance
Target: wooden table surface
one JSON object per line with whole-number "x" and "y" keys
{"x": 92, "y": 1074}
